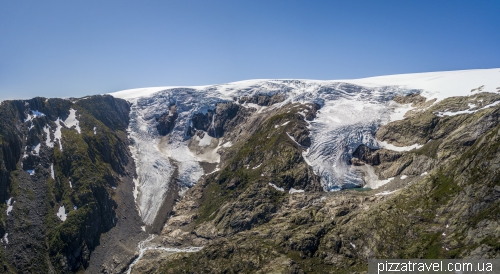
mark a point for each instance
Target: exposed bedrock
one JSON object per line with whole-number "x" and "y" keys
{"x": 225, "y": 117}
{"x": 263, "y": 100}
{"x": 366, "y": 155}
{"x": 166, "y": 122}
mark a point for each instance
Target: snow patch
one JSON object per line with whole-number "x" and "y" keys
{"x": 423, "y": 174}
{"x": 70, "y": 184}
{"x": 228, "y": 144}
{"x": 293, "y": 190}
{"x": 36, "y": 148}
{"x": 35, "y": 114}
{"x": 72, "y": 121}
{"x": 61, "y": 214}
{"x": 388, "y": 146}
{"x": 403, "y": 177}
{"x": 58, "y": 134}
{"x": 52, "y": 174}
{"x": 385, "y": 193}
{"x": 48, "y": 141}
{"x": 205, "y": 141}
{"x": 94, "y": 129}
{"x": 10, "y": 205}
{"x": 293, "y": 139}
{"x": 5, "y": 240}
{"x": 467, "y": 111}
{"x": 257, "y": 166}
{"x": 276, "y": 187}
{"x": 31, "y": 172}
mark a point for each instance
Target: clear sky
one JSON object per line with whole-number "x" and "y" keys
{"x": 80, "y": 47}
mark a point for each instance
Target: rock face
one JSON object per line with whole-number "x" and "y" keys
{"x": 263, "y": 100}
{"x": 374, "y": 157}
{"x": 67, "y": 155}
{"x": 225, "y": 117}
{"x": 166, "y": 122}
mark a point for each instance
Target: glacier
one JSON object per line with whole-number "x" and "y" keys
{"x": 351, "y": 112}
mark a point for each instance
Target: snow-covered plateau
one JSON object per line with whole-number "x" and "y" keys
{"x": 351, "y": 112}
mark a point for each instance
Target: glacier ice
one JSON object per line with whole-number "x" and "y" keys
{"x": 350, "y": 116}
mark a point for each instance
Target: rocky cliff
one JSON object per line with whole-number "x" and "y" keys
{"x": 62, "y": 163}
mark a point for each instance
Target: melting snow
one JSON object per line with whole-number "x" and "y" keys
{"x": 57, "y": 133}
{"x": 386, "y": 145}
{"x": 52, "y": 174}
{"x": 48, "y": 141}
{"x": 293, "y": 139}
{"x": 205, "y": 141}
{"x": 293, "y": 190}
{"x": 61, "y": 214}
{"x": 257, "y": 166}
{"x": 385, "y": 193}
{"x": 72, "y": 121}
{"x": 36, "y": 114}
{"x": 276, "y": 187}
{"x": 467, "y": 111}
{"x": 228, "y": 144}
{"x": 284, "y": 124}
{"x": 10, "y": 205}
{"x": 5, "y": 239}
{"x": 403, "y": 177}
{"x": 399, "y": 112}
{"x": 36, "y": 148}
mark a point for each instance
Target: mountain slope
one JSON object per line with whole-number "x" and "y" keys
{"x": 382, "y": 132}
{"x": 62, "y": 161}
{"x": 257, "y": 176}
{"x": 449, "y": 212}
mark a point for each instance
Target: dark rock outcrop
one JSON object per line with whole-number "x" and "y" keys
{"x": 413, "y": 98}
{"x": 311, "y": 114}
{"x": 225, "y": 117}
{"x": 166, "y": 122}
{"x": 263, "y": 99}
{"x": 366, "y": 155}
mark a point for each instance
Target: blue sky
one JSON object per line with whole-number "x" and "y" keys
{"x": 76, "y": 48}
